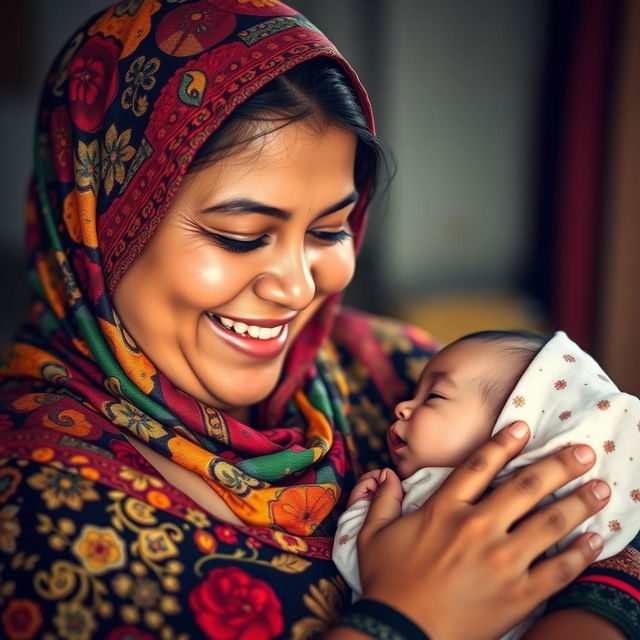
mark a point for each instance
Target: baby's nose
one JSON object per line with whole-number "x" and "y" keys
{"x": 403, "y": 410}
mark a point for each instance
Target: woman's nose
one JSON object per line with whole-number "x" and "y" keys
{"x": 289, "y": 282}
{"x": 403, "y": 410}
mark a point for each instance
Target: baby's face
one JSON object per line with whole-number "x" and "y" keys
{"x": 448, "y": 416}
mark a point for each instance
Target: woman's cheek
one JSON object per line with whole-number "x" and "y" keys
{"x": 214, "y": 274}
{"x": 335, "y": 267}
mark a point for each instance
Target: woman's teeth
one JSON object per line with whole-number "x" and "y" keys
{"x": 261, "y": 333}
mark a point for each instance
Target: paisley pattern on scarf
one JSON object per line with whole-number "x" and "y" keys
{"x": 93, "y": 541}
{"x": 126, "y": 106}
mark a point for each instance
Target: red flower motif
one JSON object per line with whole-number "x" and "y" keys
{"x": 90, "y": 277}
{"x": 189, "y": 30}
{"x": 232, "y": 605}
{"x": 565, "y": 415}
{"x": 128, "y": 454}
{"x": 21, "y": 619}
{"x": 93, "y": 82}
{"x": 603, "y": 405}
{"x": 226, "y": 534}
{"x": 129, "y": 633}
{"x": 252, "y": 542}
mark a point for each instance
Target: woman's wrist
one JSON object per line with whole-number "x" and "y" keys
{"x": 379, "y": 620}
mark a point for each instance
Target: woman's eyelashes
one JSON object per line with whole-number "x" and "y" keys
{"x": 434, "y": 396}
{"x": 242, "y": 246}
{"x": 332, "y": 236}
{"x": 239, "y": 246}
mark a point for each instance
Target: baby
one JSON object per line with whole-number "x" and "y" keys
{"x": 483, "y": 382}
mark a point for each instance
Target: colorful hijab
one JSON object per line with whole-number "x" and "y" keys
{"x": 133, "y": 95}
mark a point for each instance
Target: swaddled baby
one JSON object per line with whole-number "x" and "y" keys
{"x": 483, "y": 382}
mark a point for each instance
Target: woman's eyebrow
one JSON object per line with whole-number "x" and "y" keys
{"x": 247, "y": 205}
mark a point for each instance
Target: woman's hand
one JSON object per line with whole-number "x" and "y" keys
{"x": 460, "y": 566}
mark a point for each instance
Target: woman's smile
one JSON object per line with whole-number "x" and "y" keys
{"x": 245, "y": 256}
{"x": 255, "y": 338}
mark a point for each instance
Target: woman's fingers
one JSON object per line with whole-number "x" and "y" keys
{"x": 471, "y": 479}
{"x": 552, "y": 574}
{"x": 518, "y": 494}
{"x": 544, "y": 528}
{"x": 386, "y": 505}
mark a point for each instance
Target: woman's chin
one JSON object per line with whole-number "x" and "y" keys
{"x": 235, "y": 398}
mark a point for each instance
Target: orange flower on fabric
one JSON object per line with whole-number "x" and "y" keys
{"x": 129, "y": 26}
{"x": 299, "y": 510}
{"x": 205, "y": 541}
{"x": 99, "y": 549}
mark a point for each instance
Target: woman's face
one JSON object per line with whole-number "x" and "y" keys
{"x": 250, "y": 248}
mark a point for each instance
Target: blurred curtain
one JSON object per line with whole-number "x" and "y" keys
{"x": 587, "y": 219}
{"x": 619, "y": 338}
{"x": 583, "y": 164}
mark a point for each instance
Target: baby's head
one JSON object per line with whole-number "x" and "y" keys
{"x": 459, "y": 396}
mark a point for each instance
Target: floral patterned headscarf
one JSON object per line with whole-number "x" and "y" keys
{"x": 128, "y": 102}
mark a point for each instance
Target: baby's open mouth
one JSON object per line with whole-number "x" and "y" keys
{"x": 395, "y": 441}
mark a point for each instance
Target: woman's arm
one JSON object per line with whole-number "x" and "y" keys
{"x": 573, "y": 623}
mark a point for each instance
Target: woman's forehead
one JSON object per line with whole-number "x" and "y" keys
{"x": 293, "y": 164}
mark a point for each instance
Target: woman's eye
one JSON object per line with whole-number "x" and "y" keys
{"x": 332, "y": 236}
{"x": 239, "y": 246}
{"x": 433, "y": 396}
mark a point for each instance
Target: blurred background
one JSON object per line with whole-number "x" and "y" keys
{"x": 516, "y": 129}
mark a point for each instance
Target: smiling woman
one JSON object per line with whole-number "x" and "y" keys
{"x": 202, "y": 173}
{"x": 231, "y": 277}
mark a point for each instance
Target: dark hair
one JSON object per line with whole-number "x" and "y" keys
{"x": 519, "y": 340}
{"x": 525, "y": 345}
{"x": 317, "y": 88}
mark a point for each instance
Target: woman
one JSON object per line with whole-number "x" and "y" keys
{"x": 186, "y": 408}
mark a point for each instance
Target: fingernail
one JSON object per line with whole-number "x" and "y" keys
{"x": 600, "y": 490}
{"x": 519, "y": 430}
{"x": 596, "y": 542}
{"x": 383, "y": 475}
{"x": 583, "y": 454}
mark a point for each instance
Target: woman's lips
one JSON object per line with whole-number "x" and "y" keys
{"x": 254, "y": 347}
